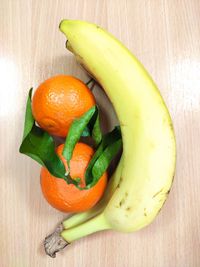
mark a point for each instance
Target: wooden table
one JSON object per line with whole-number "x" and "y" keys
{"x": 165, "y": 36}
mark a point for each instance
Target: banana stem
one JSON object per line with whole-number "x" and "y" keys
{"x": 96, "y": 224}
{"x": 81, "y": 217}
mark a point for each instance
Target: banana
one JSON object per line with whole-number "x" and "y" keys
{"x": 149, "y": 149}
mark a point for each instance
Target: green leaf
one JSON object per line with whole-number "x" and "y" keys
{"x": 108, "y": 148}
{"x": 95, "y": 128}
{"x": 29, "y": 120}
{"x": 101, "y": 165}
{"x": 39, "y": 145}
{"x": 74, "y": 134}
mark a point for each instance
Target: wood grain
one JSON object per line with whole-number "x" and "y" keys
{"x": 164, "y": 35}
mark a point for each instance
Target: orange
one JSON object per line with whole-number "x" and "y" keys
{"x": 58, "y": 101}
{"x": 67, "y": 197}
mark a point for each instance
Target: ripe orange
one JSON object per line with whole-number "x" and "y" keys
{"x": 67, "y": 197}
{"x": 58, "y": 101}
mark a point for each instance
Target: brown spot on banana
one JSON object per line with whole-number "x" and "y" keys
{"x": 157, "y": 193}
{"x": 145, "y": 212}
{"x": 168, "y": 191}
{"x": 122, "y": 202}
{"x": 123, "y": 199}
{"x": 120, "y": 181}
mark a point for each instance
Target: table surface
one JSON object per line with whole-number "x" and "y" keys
{"x": 164, "y": 35}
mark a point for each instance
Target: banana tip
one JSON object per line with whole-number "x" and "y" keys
{"x": 63, "y": 24}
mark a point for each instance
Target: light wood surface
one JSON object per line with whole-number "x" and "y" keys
{"x": 165, "y": 36}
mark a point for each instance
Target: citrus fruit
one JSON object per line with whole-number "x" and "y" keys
{"x": 58, "y": 101}
{"x": 67, "y": 197}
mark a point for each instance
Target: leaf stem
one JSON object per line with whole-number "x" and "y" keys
{"x": 88, "y": 82}
{"x": 93, "y": 82}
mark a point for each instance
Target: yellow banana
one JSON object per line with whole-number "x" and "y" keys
{"x": 149, "y": 149}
